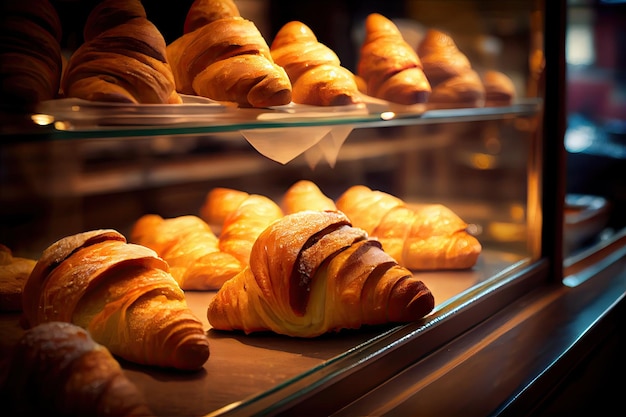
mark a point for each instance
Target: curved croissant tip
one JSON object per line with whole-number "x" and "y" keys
{"x": 192, "y": 355}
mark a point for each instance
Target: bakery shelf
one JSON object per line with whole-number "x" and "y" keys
{"x": 261, "y": 373}
{"x": 234, "y": 120}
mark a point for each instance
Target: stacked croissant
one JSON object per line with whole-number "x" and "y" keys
{"x": 30, "y": 52}
{"x": 224, "y": 57}
{"x": 122, "y": 293}
{"x": 57, "y": 369}
{"x": 123, "y": 58}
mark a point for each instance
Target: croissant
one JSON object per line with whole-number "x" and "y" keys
{"x": 426, "y": 237}
{"x": 56, "y": 368}
{"x": 218, "y": 204}
{"x": 189, "y": 247}
{"x": 441, "y": 57}
{"x": 389, "y": 66}
{"x": 123, "y": 62}
{"x": 30, "y": 52}
{"x": 311, "y": 273}
{"x": 453, "y": 81}
{"x": 226, "y": 59}
{"x": 244, "y": 221}
{"x": 122, "y": 293}
{"x": 463, "y": 90}
{"x": 305, "y": 195}
{"x": 14, "y": 272}
{"x": 203, "y": 12}
{"x": 314, "y": 69}
{"x": 499, "y": 88}
{"x": 111, "y": 13}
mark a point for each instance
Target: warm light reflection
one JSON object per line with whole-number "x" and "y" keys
{"x": 387, "y": 115}
{"x": 483, "y": 161}
{"x": 42, "y": 119}
{"x": 517, "y": 212}
{"x": 62, "y": 125}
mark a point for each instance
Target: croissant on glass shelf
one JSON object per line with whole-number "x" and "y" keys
{"x": 224, "y": 57}
{"x": 421, "y": 237}
{"x": 57, "y": 369}
{"x": 122, "y": 293}
{"x": 30, "y": 52}
{"x": 390, "y": 68}
{"x": 314, "y": 69}
{"x": 499, "y": 88}
{"x": 241, "y": 218}
{"x": 312, "y": 273}
{"x": 305, "y": 195}
{"x": 453, "y": 81}
{"x": 123, "y": 58}
{"x": 190, "y": 248}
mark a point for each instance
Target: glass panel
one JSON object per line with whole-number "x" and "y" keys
{"x": 104, "y": 168}
{"x": 595, "y": 139}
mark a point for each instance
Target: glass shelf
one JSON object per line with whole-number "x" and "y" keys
{"x": 233, "y": 120}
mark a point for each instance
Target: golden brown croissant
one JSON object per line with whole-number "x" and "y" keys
{"x": 305, "y": 195}
{"x": 227, "y": 59}
{"x": 463, "y": 90}
{"x": 30, "y": 52}
{"x": 311, "y": 273}
{"x": 122, "y": 293}
{"x": 189, "y": 247}
{"x": 390, "y": 67}
{"x": 441, "y": 57}
{"x": 245, "y": 222}
{"x": 203, "y": 12}
{"x": 57, "y": 369}
{"x": 425, "y": 237}
{"x": 111, "y": 13}
{"x": 315, "y": 70}
{"x": 499, "y": 88}
{"x": 127, "y": 62}
{"x": 218, "y": 204}
{"x": 14, "y": 272}
{"x": 453, "y": 81}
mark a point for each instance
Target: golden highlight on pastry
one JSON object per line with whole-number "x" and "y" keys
{"x": 424, "y": 237}
{"x": 314, "y": 69}
{"x": 122, "y": 293}
{"x": 224, "y": 57}
{"x": 123, "y": 58}
{"x": 499, "y": 88}
{"x": 242, "y": 218}
{"x": 390, "y": 67}
{"x": 305, "y": 195}
{"x": 14, "y": 272}
{"x": 56, "y": 368}
{"x": 453, "y": 81}
{"x": 311, "y": 273}
{"x": 30, "y": 52}
{"x": 190, "y": 249}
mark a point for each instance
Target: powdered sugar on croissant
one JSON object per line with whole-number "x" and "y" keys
{"x": 311, "y": 273}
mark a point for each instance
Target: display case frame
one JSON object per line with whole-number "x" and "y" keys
{"x": 362, "y": 368}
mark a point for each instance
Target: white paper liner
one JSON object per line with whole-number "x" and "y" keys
{"x": 285, "y": 144}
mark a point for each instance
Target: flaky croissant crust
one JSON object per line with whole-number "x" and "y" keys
{"x": 384, "y": 57}
{"x": 311, "y": 273}
{"x": 122, "y": 293}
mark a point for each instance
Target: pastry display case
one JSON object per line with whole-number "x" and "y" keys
{"x": 71, "y": 165}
